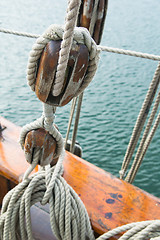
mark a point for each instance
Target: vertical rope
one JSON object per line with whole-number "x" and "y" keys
{"x": 80, "y": 99}
{"x": 70, "y": 23}
{"x": 70, "y": 119}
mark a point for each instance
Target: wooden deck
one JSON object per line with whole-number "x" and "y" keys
{"x": 110, "y": 202}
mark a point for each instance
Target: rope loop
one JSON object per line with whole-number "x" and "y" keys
{"x": 68, "y": 216}
{"x": 35, "y": 157}
{"x": 55, "y": 32}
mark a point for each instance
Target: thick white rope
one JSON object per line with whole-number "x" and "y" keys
{"x": 45, "y": 193}
{"x": 70, "y": 23}
{"x": 80, "y": 98}
{"x": 55, "y": 32}
{"x": 135, "y": 231}
{"x": 70, "y": 120}
{"x": 99, "y": 47}
{"x": 46, "y": 122}
{"x": 132, "y": 173}
{"x": 129, "y": 53}
{"x": 77, "y": 117}
{"x": 68, "y": 216}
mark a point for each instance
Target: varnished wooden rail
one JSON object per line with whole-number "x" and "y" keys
{"x": 110, "y": 202}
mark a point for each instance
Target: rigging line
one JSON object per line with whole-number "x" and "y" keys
{"x": 17, "y": 33}
{"x": 129, "y": 53}
{"x": 100, "y": 48}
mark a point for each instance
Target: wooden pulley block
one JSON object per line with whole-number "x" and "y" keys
{"x": 87, "y": 13}
{"x": 75, "y": 72}
{"x": 42, "y": 140}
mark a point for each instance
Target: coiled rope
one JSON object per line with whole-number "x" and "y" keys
{"x": 69, "y": 218}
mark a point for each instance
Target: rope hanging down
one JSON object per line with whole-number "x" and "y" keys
{"x": 68, "y": 216}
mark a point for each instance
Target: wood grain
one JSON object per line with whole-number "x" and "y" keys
{"x": 110, "y": 202}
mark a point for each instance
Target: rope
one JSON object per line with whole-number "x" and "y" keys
{"x": 55, "y": 32}
{"x": 94, "y": 17}
{"x": 138, "y": 230}
{"x": 99, "y": 47}
{"x": 17, "y": 33}
{"x": 132, "y": 173}
{"x": 70, "y": 120}
{"x": 138, "y": 160}
{"x": 140, "y": 121}
{"x": 129, "y": 53}
{"x": 68, "y": 216}
{"x": 71, "y": 19}
{"x": 77, "y": 117}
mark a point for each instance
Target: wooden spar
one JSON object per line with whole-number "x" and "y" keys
{"x": 110, "y": 202}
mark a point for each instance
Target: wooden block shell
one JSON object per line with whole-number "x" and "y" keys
{"x": 42, "y": 140}
{"x": 76, "y": 70}
{"x": 85, "y": 17}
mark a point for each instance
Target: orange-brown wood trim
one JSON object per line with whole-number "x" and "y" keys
{"x": 110, "y": 202}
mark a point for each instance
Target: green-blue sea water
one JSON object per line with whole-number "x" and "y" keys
{"x": 113, "y": 99}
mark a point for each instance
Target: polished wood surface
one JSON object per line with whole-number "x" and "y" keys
{"x": 110, "y": 202}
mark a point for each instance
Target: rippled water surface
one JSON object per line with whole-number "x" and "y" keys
{"x": 113, "y": 99}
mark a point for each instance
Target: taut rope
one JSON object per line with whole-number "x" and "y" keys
{"x": 99, "y": 47}
{"x": 68, "y": 216}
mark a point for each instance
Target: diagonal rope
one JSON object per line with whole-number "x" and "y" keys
{"x": 140, "y": 121}
{"x": 142, "y": 146}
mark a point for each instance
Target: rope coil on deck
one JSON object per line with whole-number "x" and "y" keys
{"x": 69, "y": 218}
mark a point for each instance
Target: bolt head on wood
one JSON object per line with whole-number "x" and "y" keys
{"x": 40, "y": 139}
{"x": 75, "y": 72}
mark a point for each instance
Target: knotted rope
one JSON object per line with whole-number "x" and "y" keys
{"x": 68, "y": 216}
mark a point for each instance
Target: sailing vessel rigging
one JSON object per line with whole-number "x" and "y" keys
{"x": 113, "y": 195}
